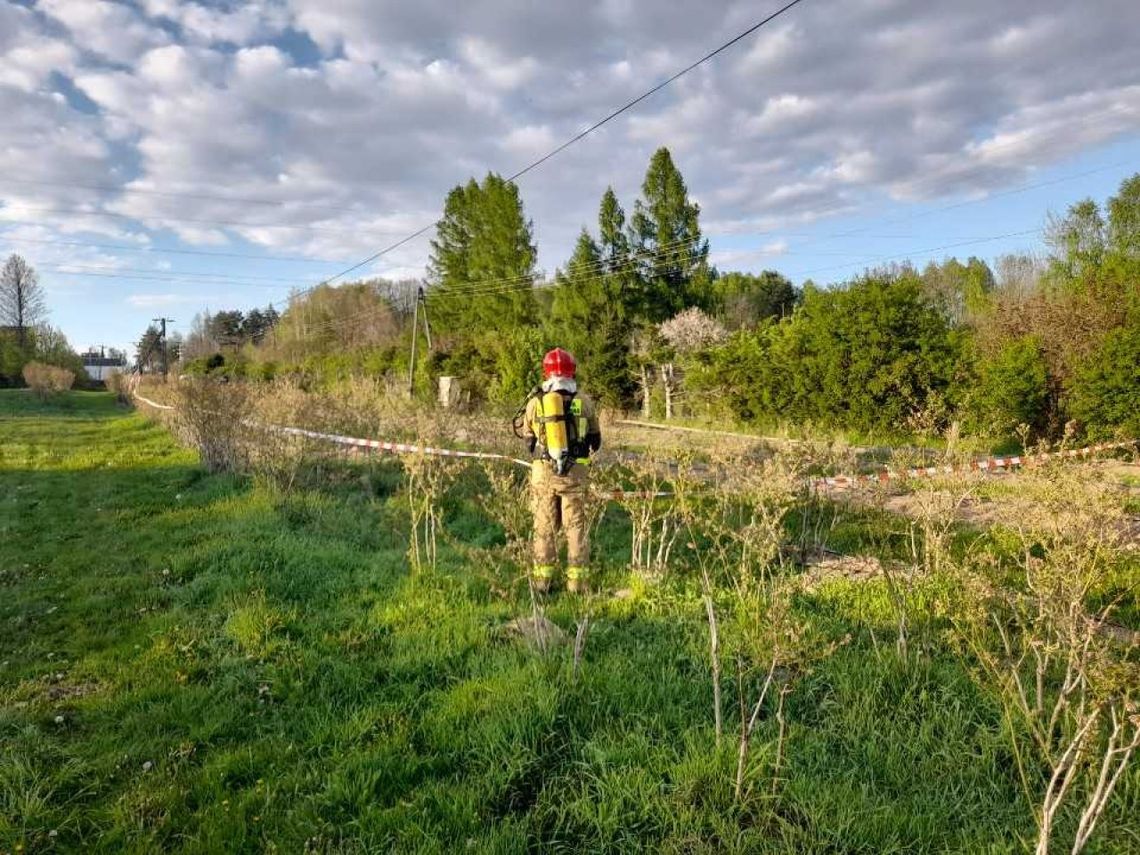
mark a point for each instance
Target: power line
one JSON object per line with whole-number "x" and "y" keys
{"x": 145, "y": 191}
{"x": 67, "y": 267}
{"x": 579, "y": 136}
{"x": 228, "y": 224}
{"x": 870, "y": 261}
{"x": 174, "y": 279}
{"x": 1025, "y": 188}
{"x": 630, "y": 104}
{"x": 596, "y": 271}
{"x": 526, "y": 282}
{"x": 6, "y": 238}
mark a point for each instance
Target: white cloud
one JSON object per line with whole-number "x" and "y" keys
{"x": 204, "y": 24}
{"x": 500, "y": 71}
{"x": 112, "y": 30}
{"x": 835, "y": 104}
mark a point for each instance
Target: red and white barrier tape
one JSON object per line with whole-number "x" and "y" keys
{"x": 370, "y": 444}
{"x": 987, "y": 464}
{"x": 151, "y": 403}
{"x": 392, "y": 447}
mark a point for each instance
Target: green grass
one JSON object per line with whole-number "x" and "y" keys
{"x": 196, "y": 663}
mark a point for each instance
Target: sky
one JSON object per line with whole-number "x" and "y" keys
{"x": 159, "y": 158}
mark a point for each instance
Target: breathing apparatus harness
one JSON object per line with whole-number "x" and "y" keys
{"x": 562, "y": 438}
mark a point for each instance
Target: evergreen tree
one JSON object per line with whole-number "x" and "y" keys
{"x": 148, "y": 353}
{"x": 665, "y": 233}
{"x": 588, "y": 317}
{"x": 483, "y": 241}
{"x": 592, "y": 312}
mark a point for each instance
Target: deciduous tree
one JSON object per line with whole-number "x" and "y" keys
{"x": 22, "y": 300}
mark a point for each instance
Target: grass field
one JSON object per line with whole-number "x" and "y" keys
{"x": 201, "y": 663}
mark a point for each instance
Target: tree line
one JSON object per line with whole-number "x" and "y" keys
{"x": 1034, "y": 345}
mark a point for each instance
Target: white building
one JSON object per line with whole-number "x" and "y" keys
{"x": 99, "y": 367}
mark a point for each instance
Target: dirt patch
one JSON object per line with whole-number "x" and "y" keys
{"x": 826, "y": 566}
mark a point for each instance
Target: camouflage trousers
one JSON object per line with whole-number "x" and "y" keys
{"x": 560, "y": 501}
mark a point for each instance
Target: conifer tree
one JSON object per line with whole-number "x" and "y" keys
{"x": 483, "y": 257}
{"x": 665, "y": 233}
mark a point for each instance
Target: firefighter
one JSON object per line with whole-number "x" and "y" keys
{"x": 562, "y": 430}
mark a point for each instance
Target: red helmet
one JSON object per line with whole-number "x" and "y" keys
{"x": 559, "y": 363}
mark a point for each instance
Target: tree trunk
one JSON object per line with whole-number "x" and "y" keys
{"x": 667, "y": 378}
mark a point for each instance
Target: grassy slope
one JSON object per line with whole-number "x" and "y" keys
{"x": 239, "y": 670}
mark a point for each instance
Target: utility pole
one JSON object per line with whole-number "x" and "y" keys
{"x": 420, "y": 300}
{"x": 415, "y": 339}
{"x": 165, "y": 365}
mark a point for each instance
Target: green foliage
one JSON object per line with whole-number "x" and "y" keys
{"x": 743, "y": 300}
{"x": 1105, "y": 395}
{"x": 240, "y": 669}
{"x": 483, "y": 240}
{"x": 589, "y": 316}
{"x": 961, "y": 290}
{"x": 12, "y": 358}
{"x": 1124, "y": 219}
{"x": 865, "y": 356}
{"x": 665, "y": 231}
{"x": 1012, "y": 386}
{"x": 148, "y": 352}
{"x": 331, "y": 320}
{"x": 1078, "y": 242}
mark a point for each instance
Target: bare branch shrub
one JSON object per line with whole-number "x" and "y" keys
{"x": 772, "y": 640}
{"x": 212, "y": 417}
{"x": 426, "y": 481}
{"x": 119, "y": 383}
{"x": 276, "y": 456}
{"x": 735, "y": 517}
{"x": 507, "y": 503}
{"x": 930, "y": 512}
{"x": 654, "y": 520}
{"x": 1068, "y": 686}
{"x": 47, "y": 381}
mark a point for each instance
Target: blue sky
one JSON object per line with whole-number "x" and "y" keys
{"x": 162, "y": 157}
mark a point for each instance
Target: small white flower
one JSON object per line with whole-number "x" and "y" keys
{"x": 59, "y": 719}
{"x": 147, "y": 766}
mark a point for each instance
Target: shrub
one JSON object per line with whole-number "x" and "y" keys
{"x": 211, "y": 416}
{"x": 118, "y": 383}
{"x": 865, "y": 356}
{"x": 1013, "y": 385}
{"x": 1105, "y": 394}
{"x": 47, "y": 380}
